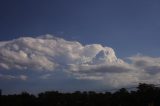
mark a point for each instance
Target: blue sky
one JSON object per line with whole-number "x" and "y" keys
{"x": 130, "y": 27}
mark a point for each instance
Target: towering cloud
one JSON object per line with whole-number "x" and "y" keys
{"x": 49, "y": 54}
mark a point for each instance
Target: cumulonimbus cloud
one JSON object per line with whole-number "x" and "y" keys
{"x": 94, "y": 62}
{"x": 50, "y": 53}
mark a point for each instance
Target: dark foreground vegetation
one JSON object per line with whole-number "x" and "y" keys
{"x": 145, "y": 95}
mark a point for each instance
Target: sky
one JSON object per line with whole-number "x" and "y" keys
{"x": 78, "y": 44}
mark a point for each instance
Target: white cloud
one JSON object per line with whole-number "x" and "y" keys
{"x": 148, "y": 65}
{"x": 51, "y": 53}
{"x": 91, "y": 62}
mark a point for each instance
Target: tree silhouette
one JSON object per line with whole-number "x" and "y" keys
{"x": 0, "y": 92}
{"x": 145, "y": 95}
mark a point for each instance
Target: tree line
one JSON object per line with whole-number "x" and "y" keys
{"x": 145, "y": 95}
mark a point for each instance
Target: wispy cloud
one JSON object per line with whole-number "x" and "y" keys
{"x": 11, "y": 77}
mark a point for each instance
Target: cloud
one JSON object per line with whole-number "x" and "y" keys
{"x": 148, "y": 65}
{"x": 46, "y": 76}
{"x": 49, "y": 55}
{"x": 11, "y": 77}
